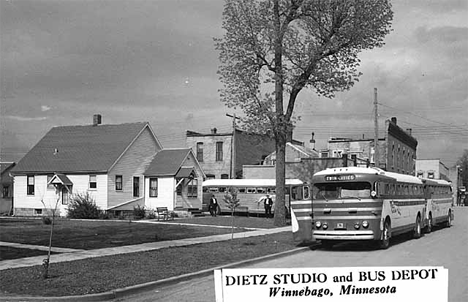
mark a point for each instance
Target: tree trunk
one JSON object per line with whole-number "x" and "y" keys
{"x": 280, "y": 213}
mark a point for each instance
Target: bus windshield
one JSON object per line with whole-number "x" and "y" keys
{"x": 326, "y": 191}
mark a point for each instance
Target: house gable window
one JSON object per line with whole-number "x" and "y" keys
{"x": 30, "y": 185}
{"x": 92, "y": 182}
{"x": 136, "y": 186}
{"x": 219, "y": 151}
{"x": 153, "y": 187}
{"x": 200, "y": 152}
{"x": 118, "y": 182}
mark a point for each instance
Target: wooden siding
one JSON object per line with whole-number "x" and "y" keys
{"x": 25, "y": 204}
{"x": 132, "y": 164}
{"x": 166, "y": 193}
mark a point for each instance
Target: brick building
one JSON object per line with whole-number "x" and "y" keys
{"x": 222, "y": 155}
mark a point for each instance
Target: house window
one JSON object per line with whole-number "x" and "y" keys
{"x": 420, "y": 174}
{"x": 193, "y": 188}
{"x": 430, "y": 175}
{"x": 324, "y": 154}
{"x": 92, "y": 182}
{"x": 200, "y": 152}
{"x": 37, "y": 211}
{"x": 153, "y": 187}
{"x": 30, "y": 188}
{"x": 179, "y": 187}
{"x": 6, "y": 191}
{"x": 219, "y": 151}
{"x": 210, "y": 176}
{"x": 118, "y": 182}
{"x": 136, "y": 186}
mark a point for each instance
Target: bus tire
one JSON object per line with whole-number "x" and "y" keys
{"x": 429, "y": 224}
{"x": 417, "y": 228}
{"x": 384, "y": 243}
{"x": 448, "y": 223}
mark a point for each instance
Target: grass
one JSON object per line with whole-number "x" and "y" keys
{"x": 107, "y": 273}
{"x": 89, "y": 235}
{"x": 9, "y": 253}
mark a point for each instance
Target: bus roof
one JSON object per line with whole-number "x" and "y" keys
{"x": 247, "y": 182}
{"x": 439, "y": 182}
{"x": 369, "y": 171}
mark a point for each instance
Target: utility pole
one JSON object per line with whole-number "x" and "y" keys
{"x": 233, "y": 146}
{"x": 376, "y": 129}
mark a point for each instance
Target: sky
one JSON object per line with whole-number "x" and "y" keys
{"x": 155, "y": 61}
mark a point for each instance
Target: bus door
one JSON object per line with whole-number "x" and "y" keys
{"x": 301, "y": 217}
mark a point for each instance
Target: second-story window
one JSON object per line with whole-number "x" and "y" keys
{"x": 118, "y": 182}
{"x": 219, "y": 151}
{"x": 200, "y": 152}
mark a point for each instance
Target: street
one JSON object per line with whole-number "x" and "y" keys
{"x": 445, "y": 247}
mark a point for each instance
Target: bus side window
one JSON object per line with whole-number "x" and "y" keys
{"x": 241, "y": 190}
{"x": 251, "y": 190}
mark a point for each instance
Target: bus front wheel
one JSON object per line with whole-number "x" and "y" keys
{"x": 384, "y": 242}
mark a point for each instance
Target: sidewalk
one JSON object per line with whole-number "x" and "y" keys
{"x": 71, "y": 255}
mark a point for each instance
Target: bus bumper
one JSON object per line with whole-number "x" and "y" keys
{"x": 344, "y": 235}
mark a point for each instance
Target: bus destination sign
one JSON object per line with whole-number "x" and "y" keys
{"x": 340, "y": 177}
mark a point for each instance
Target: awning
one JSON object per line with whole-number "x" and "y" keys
{"x": 60, "y": 179}
{"x": 186, "y": 173}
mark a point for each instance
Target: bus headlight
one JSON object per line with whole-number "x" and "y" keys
{"x": 325, "y": 226}
{"x": 318, "y": 224}
{"x": 365, "y": 224}
{"x": 357, "y": 226}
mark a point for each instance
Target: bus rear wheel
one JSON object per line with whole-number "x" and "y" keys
{"x": 384, "y": 243}
{"x": 448, "y": 223}
{"x": 429, "y": 224}
{"x": 417, "y": 228}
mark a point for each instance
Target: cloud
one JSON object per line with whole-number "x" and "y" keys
{"x": 25, "y": 119}
{"x": 45, "y": 108}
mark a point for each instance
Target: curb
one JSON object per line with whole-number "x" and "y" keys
{"x": 131, "y": 290}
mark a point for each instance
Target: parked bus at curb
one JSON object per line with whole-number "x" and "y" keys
{"x": 250, "y": 193}
{"x": 356, "y": 204}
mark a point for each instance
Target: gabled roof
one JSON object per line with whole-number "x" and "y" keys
{"x": 4, "y": 166}
{"x": 167, "y": 162}
{"x": 80, "y": 148}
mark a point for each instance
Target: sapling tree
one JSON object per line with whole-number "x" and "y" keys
{"x": 273, "y": 49}
{"x": 51, "y": 222}
{"x": 232, "y": 202}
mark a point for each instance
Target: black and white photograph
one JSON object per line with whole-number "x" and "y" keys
{"x": 234, "y": 150}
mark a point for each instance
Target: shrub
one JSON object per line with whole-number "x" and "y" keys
{"x": 82, "y": 206}
{"x": 139, "y": 212}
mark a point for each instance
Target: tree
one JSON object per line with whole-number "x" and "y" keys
{"x": 463, "y": 166}
{"x": 232, "y": 202}
{"x": 273, "y": 49}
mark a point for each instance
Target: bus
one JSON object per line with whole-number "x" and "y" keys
{"x": 355, "y": 203}
{"x": 439, "y": 197}
{"x": 250, "y": 193}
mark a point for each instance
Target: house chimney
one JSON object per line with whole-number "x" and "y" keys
{"x": 394, "y": 120}
{"x": 97, "y": 119}
{"x": 409, "y": 130}
{"x": 312, "y": 142}
{"x": 214, "y": 130}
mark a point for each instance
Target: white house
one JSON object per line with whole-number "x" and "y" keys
{"x": 108, "y": 162}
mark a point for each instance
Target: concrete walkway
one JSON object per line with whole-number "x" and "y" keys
{"x": 72, "y": 254}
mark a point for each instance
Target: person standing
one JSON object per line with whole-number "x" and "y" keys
{"x": 213, "y": 206}
{"x": 268, "y": 203}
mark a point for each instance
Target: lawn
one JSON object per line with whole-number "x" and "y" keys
{"x": 89, "y": 235}
{"x": 107, "y": 273}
